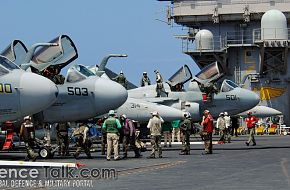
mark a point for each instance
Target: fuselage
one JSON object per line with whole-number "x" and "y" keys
{"x": 233, "y": 101}
{"x": 85, "y": 99}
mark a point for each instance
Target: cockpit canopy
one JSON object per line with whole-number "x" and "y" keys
{"x": 210, "y": 73}
{"x": 228, "y": 85}
{"x": 78, "y": 73}
{"x": 59, "y": 55}
{"x": 16, "y": 52}
{"x": 209, "y": 76}
{"x": 6, "y": 65}
{"x": 177, "y": 80}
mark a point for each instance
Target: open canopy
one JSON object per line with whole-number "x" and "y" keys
{"x": 61, "y": 55}
{"x": 210, "y": 73}
{"x": 181, "y": 76}
{"x": 16, "y": 52}
{"x": 40, "y": 56}
{"x": 6, "y": 65}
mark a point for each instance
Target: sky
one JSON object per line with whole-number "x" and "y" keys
{"x": 99, "y": 28}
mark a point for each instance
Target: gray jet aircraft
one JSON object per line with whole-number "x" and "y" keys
{"x": 230, "y": 98}
{"x": 23, "y": 93}
{"x": 82, "y": 95}
{"x": 261, "y": 111}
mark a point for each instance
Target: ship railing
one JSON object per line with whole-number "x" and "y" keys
{"x": 238, "y": 38}
{"x": 271, "y": 34}
{"x": 189, "y": 44}
{"x": 194, "y": 3}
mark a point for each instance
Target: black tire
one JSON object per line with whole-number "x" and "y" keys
{"x": 44, "y": 153}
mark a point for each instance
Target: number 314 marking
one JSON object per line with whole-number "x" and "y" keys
{"x": 77, "y": 91}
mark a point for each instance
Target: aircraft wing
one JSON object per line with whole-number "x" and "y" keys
{"x": 162, "y": 100}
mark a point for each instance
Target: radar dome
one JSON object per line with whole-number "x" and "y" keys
{"x": 204, "y": 40}
{"x": 274, "y": 26}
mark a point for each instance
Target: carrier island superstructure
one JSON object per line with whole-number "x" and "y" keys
{"x": 249, "y": 38}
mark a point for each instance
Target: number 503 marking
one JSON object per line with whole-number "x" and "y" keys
{"x": 77, "y": 91}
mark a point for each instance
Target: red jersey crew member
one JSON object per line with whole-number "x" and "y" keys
{"x": 207, "y": 123}
{"x": 251, "y": 124}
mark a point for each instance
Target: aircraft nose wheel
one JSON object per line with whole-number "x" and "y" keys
{"x": 45, "y": 153}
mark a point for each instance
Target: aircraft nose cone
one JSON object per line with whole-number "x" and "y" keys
{"x": 36, "y": 93}
{"x": 109, "y": 95}
{"x": 169, "y": 113}
{"x": 274, "y": 112}
{"x": 249, "y": 98}
{"x": 264, "y": 111}
{"x": 255, "y": 99}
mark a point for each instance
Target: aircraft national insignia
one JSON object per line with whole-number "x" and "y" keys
{"x": 267, "y": 93}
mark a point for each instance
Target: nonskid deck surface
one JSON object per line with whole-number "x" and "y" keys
{"x": 231, "y": 166}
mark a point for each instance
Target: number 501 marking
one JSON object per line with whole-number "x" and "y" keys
{"x": 231, "y": 97}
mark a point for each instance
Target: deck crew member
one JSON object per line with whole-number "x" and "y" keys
{"x": 112, "y": 126}
{"x": 155, "y": 127}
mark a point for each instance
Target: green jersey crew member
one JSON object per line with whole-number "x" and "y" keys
{"x": 112, "y": 126}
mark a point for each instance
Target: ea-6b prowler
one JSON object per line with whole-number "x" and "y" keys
{"x": 82, "y": 94}
{"x": 229, "y": 97}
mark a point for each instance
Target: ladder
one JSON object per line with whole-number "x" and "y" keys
{"x": 9, "y": 135}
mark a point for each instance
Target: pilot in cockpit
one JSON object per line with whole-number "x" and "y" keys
{"x": 209, "y": 89}
{"x": 53, "y": 73}
{"x": 58, "y": 78}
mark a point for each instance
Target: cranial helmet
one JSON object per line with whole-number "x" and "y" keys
{"x": 155, "y": 113}
{"x": 124, "y": 116}
{"x": 187, "y": 115}
{"x": 111, "y": 112}
{"x": 27, "y": 118}
{"x": 206, "y": 111}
